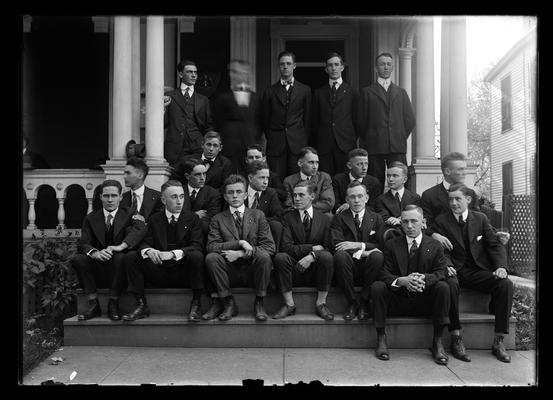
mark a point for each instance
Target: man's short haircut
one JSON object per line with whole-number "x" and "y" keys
{"x": 462, "y": 188}
{"x": 110, "y": 182}
{"x": 169, "y": 183}
{"x": 286, "y": 53}
{"x": 384, "y": 54}
{"x": 255, "y": 166}
{"x": 213, "y": 135}
{"x": 411, "y": 207}
{"x": 190, "y": 164}
{"x": 359, "y": 152}
{"x": 184, "y": 63}
{"x": 333, "y": 54}
{"x": 257, "y": 147}
{"x": 453, "y": 156}
{"x": 353, "y": 184}
{"x": 400, "y": 165}
{"x": 140, "y": 164}
{"x": 232, "y": 179}
{"x": 308, "y": 184}
{"x": 307, "y": 149}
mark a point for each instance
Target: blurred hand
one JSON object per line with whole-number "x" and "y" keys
{"x": 446, "y": 244}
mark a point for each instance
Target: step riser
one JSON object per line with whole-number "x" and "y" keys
{"x": 330, "y": 335}
{"x": 179, "y": 303}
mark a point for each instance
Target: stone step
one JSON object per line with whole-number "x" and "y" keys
{"x": 301, "y": 330}
{"x": 177, "y": 301}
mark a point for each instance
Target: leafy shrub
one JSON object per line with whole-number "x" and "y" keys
{"x": 524, "y": 310}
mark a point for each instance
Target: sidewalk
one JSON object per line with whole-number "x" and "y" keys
{"x": 229, "y": 366}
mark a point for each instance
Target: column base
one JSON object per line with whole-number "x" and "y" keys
{"x": 158, "y": 174}
{"x": 424, "y": 173}
{"x": 114, "y": 168}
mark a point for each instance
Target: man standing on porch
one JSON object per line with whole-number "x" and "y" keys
{"x": 388, "y": 119}
{"x": 286, "y": 116}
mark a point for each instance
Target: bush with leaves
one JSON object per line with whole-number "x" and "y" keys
{"x": 48, "y": 275}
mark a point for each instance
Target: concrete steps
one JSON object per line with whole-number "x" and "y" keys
{"x": 168, "y": 325}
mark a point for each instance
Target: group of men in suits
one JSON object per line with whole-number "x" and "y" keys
{"x": 227, "y": 221}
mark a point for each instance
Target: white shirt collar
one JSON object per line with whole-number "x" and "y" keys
{"x": 283, "y": 82}
{"x": 183, "y": 87}
{"x": 139, "y": 192}
{"x": 465, "y": 215}
{"x": 309, "y": 211}
{"x": 205, "y": 158}
{"x": 339, "y": 80}
{"x": 446, "y": 184}
{"x": 304, "y": 177}
{"x": 168, "y": 214}
{"x": 352, "y": 178}
{"x": 400, "y": 191}
{"x": 361, "y": 214}
{"x": 106, "y": 212}
{"x": 252, "y": 191}
{"x": 240, "y": 209}
{"x": 385, "y": 83}
{"x": 190, "y": 189}
{"x": 410, "y": 240}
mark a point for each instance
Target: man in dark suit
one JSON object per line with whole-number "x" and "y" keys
{"x": 171, "y": 254}
{"x": 187, "y": 115}
{"x": 255, "y": 152}
{"x": 218, "y": 166}
{"x": 305, "y": 258}
{"x": 335, "y": 120}
{"x": 435, "y": 200}
{"x": 201, "y": 199}
{"x": 239, "y": 246}
{"x": 478, "y": 260}
{"x": 358, "y": 165}
{"x": 412, "y": 283}
{"x": 309, "y": 171}
{"x": 237, "y": 115}
{"x": 355, "y": 240}
{"x": 390, "y": 204}
{"x": 263, "y": 198}
{"x": 286, "y": 116}
{"x": 140, "y": 198}
{"x": 389, "y": 119}
{"x": 107, "y": 234}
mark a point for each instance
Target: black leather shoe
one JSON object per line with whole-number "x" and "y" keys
{"x": 141, "y": 311}
{"x": 113, "y": 310}
{"x": 363, "y": 313}
{"x": 498, "y": 350}
{"x": 352, "y": 312}
{"x": 94, "y": 310}
{"x": 285, "y": 311}
{"x": 195, "y": 311}
{"x": 230, "y": 310}
{"x": 259, "y": 311}
{"x": 438, "y": 352}
{"x": 381, "y": 350}
{"x": 458, "y": 348}
{"x": 323, "y": 312}
{"x": 215, "y": 309}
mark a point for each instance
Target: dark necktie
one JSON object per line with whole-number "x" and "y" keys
{"x": 413, "y": 256}
{"x": 398, "y": 201}
{"x": 108, "y": 222}
{"x": 238, "y": 221}
{"x": 187, "y": 93}
{"x": 357, "y": 221}
{"x": 193, "y": 195}
{"x": 255, "y": 200}
{"x": 134, "y": 204}
{"x": 334, "y": 92}
{"x": 306, "y": 221}
{"x": 207, "y": 163}
{"x": 461, "y": 222}
{"x": 173, "y": 221}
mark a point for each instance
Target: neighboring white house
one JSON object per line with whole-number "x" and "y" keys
{"x": 513, "y": 120}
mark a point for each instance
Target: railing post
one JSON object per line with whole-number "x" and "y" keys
{"x": 32, "y": 214}
{"x": 61, "y": 214}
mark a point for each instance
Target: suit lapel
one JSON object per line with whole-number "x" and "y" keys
{"x": 147, "y": 204}
{"x": 228, "y": 220}
{"x": 394, "y": 91}
{"x": 118, "y": 222}
{"x": 348, "y": 220}
{"x": 247, "y": 221}
{"x": 341, "y": 92}
{"x": 377, "y": 92}
{"x": 456, "y": 230}
{"x": 162, "y": 229}
{"x": 294, "y": 94}
{"x": 181, "y": 228}
{"x": 98, "y": 225}
{"x": 277, "y": 91}
{"x": 471, "y": 227}
{"x": 179, "y": 99}
{"x": 403, "y": 257}
{"x": 366, "y": 225}
{"x": 315, "y": 226}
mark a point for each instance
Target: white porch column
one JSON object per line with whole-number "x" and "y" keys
{"x": 154, "y": 103}
{"x": 425, "y": 166}
{"x": 405, "y": 77}
{"x": 136, "y": 86}
{"x": 122, "y": 97}
{"x": 243, "y": 41}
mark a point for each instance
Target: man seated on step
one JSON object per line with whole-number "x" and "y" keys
{"x": 200, "y": 198}
{"x": 106, "y": 236}
{"x": 411, "y": 283}
{"x": 140, "y": 198}
{"x": 358, "y": 165}
{"x": 255, "y": 152}
{"x": 305, "y": 259}
{"x": 264, "y": 198}
{"x": 356, "y": 234}
{"x": 171, "y": 254}
{"x": 390, "y": 204}
{"x": 239, "y": 246}
{"x": 478, "y": 260}
{"x": 309, "y": 171}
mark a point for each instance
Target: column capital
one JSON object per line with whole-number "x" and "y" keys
{"x": 101, "y": 24}
{"x": 406, "y": 53}
{"x": 186, "y": 24}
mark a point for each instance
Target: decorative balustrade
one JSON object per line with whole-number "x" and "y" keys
{"x": 59, "y": 180}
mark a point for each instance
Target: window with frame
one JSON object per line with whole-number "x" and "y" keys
{"x": 506, "y": 106}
